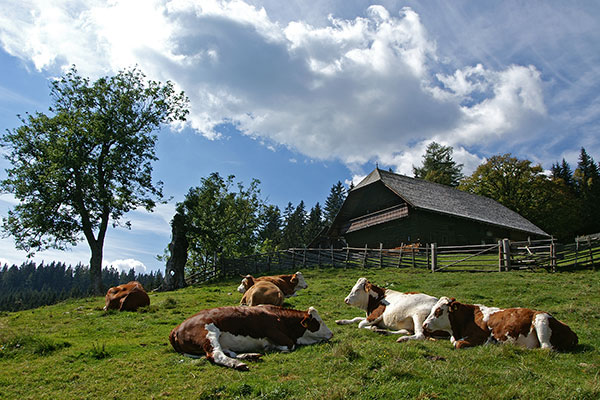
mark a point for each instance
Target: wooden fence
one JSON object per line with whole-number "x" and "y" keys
{"x": 501, "y": 256}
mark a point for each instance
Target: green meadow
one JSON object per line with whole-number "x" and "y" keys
{"x": 75, "y": 350}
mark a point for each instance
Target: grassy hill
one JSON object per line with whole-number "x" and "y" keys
{"x": 75, "y": 350}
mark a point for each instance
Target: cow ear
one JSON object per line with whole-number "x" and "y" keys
{"x": 367, "y": 286}
{"x": 305, "y": 321}
{"x": 453, "y": 304}
{"x": 294, "y": 279}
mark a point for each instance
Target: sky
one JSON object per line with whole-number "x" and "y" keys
{"x": 302, "y": 94}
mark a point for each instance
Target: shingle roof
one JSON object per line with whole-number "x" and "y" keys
{"x": 448, "y": 200}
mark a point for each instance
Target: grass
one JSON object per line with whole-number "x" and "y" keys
{"x": 75, "y": 350}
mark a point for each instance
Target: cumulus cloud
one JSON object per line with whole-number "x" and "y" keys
{"x": 126, "y": 265}
{"x": 371, "y": 88}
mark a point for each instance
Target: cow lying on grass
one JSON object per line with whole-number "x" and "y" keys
{"x": 221, "y": 333}
{"x": 127, "y": 297}
{"x": 390, "y": 312}
{"x": 474, "y": 324}
{"x": 263, "y": 292}
{"x": 288, "y": 284}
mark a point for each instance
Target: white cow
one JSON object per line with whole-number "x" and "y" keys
{"x": 389, "y": 311}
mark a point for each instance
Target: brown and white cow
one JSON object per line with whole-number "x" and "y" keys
{"x": 389, "y": 311}
{"x": 475, "y": 324}
{"x": 263, "y": 292}
{"x": 221, "y": 333}
{"x": 127, "y": 297}
{"x": 289, "y": 284}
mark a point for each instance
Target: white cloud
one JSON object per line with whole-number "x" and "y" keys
{"x": 126, "y": 265}
{"x": 356, "y": 89}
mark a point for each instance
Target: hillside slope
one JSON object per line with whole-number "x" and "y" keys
{"x": 75, "y": 350}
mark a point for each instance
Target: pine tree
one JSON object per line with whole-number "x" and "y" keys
{"x": 438, "y": 166}
{"x": 334, "y": 202}
{"x": 270, "y": 231}
{"x": 315, "y": 223}
{"x": 587, "y": 183}
{"x": 293, "y": 233}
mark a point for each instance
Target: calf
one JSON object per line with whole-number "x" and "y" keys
{"x": 386, "y": 309}
{"x": 475, "y": 324}
{"x": 263, "y": 292}
{"x": 127, "y": 297}
{"x": 288, "y": 284}
{"x": 220, "y": 333}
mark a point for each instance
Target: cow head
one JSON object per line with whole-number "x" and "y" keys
{"x": 359, "y": 295}
{"x": 316, "y": 330}
{"x": 246, "y": 284}
{"x": 298, "y": 281}
{"x": 439, "y": 317}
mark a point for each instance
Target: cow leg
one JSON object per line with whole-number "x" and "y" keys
{"x": 217, "y": 355}
{"x": 543, "y": 331}
{"x": 418, "y": 325}
{"x": 249, "y": 356}
{"x": 280, "y": 341}
{"x": 461, "y": 344}
{"x": 388, "y": 332}
{"x": 349, "y": 321}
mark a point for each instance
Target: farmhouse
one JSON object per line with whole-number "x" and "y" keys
{"x": 391, "y": 209}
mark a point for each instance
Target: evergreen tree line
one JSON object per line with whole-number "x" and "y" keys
{"x": 297, "y": 226}
{"x": 31, "y": 285}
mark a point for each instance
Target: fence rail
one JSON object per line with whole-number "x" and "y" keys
{"x": 502, "y": 256}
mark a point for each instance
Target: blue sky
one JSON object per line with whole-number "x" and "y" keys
{"x": 301, "y": 94}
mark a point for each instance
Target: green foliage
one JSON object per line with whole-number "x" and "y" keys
{"x": 294, "y": 230}
{"x": 221, "y": 221}
{"x": 140, "y": 362}
{"x": 314, "y": 224}
{"x": 523, "y": 188}
{"x": 438, "y": 166}
{"x": 334, "y": 202}
{"x": 87, "y": 162}
{"x": 563, "y": 204}
{"x": 269, "y": 235}
{"x": 586, "y": 180}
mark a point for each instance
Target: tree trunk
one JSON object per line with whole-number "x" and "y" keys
{"x": 175, "y": 271}
{"x": 96, "y": 268}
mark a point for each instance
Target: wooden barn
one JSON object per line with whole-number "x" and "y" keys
{"x": 391, "y": 209}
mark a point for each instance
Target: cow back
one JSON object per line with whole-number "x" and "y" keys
{"x": 127, "y": 297}
{"x": 263, "y": 292}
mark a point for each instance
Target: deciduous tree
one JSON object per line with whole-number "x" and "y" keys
{"x": 221, "y": 221}
{"x": 88, "y": 161}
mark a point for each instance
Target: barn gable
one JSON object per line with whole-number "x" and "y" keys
{"x": 391, "y": 209}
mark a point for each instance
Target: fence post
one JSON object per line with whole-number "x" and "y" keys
{"x": 319, "y": 257}
{"x": 499, "y": 255}
{"x": 332, "y": 258}
{"x": 347, "y": 257}
{"x": 433, "y": 257}
{"x": 364, "y": 263}
{"x": 412, "y": 251}
{"x": 553, "y": 255}
{"x": 506, "y": 253}
{"x": 591, "y": 252}
{"x": 380, "y": 255}
{"x": 304, "y": 258}
{"x": 400, "y": 255}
